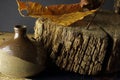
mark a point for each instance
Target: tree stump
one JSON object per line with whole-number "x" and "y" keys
{"x": 83, "y": 51}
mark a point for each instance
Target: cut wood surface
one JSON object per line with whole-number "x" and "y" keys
{"x": 85, "y": 51}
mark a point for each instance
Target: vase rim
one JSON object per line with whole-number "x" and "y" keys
{"x": 20, "y": 27}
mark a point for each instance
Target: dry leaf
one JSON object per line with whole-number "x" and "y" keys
{"x": 91, "y": 4}
{"x": 84, "y": 3}
{"x": 70, "y": 18}
{"x": 64, "y": 14}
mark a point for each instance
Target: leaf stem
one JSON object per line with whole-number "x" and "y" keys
{"x": 89, "y": 24}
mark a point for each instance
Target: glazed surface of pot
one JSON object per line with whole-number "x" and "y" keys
{"x": 20, "y": 46}
{"x": 19, "y": 56}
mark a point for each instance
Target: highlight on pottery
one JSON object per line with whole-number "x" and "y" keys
{"x": 18, "y": 56}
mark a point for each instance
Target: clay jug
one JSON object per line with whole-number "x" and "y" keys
{"x": 18, "y": 56}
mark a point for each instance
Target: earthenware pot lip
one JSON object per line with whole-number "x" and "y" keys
{"x": 19, "y": 27}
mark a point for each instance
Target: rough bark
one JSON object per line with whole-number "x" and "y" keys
{"x": 83, "y": 51}
{"x": 76, "y": 49}
{"x": 111, "y": 25}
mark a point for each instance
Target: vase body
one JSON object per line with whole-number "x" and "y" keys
{"x": 19, "y": 55}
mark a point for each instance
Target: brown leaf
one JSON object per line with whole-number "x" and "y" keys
{"x": 84, "y": 3}
{"x": 63, "y": 14}
{"x": 68, "y": 19}
{"x": 91, "y": 4}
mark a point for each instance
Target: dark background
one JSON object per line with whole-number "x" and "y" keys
{"x": 9, "y": 15}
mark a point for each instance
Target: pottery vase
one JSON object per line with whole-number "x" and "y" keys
{"x": 18, "y": 56}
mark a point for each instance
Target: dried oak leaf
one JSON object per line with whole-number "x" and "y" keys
{"x": 63, "y": 14}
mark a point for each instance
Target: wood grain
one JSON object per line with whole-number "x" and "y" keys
{"x": 76, "y": 49}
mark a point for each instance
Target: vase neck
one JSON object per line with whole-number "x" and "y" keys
{"x": 20, "y": 31}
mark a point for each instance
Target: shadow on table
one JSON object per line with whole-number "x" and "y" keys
{"x": 55, "y": 73}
